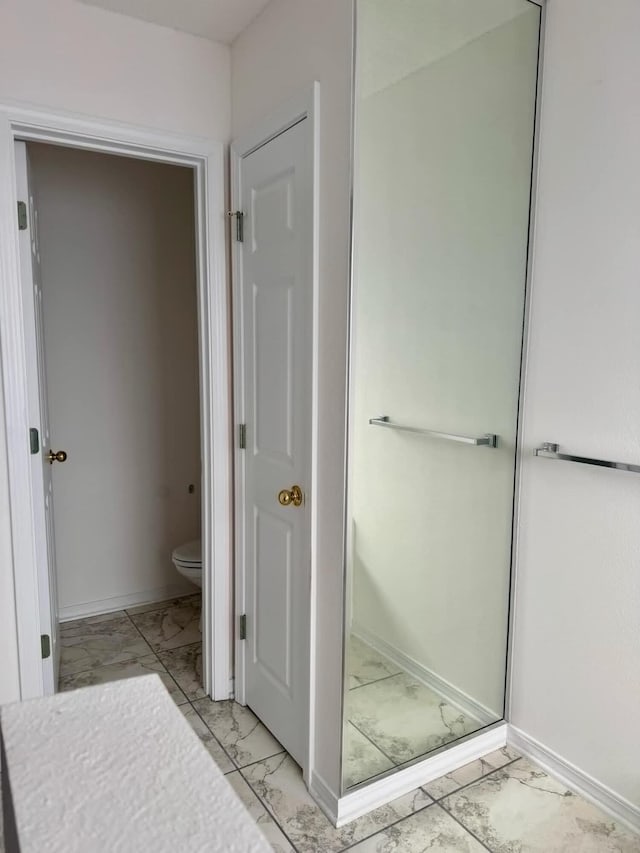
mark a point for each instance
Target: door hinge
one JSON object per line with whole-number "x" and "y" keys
{"x": 45, "y": 645}
{"x": 243, "y": 626}
{"x": 239, "y": 215}
{"x": 22, "y": 216}
{"x": 34, "y": 441}
{"x": 242, "y": 436}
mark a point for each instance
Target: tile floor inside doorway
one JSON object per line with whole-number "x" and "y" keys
{"x": 502, "y": 803}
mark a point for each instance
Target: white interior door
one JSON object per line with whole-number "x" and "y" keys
{"x": 42, "y": 470}
{"x": 276, "y": 281}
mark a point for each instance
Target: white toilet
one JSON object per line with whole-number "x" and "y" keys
{"x": 188, "y": 561}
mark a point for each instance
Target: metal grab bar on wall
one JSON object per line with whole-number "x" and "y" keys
{"x": 488, "y": 440}
{"x": 549, "y": 450}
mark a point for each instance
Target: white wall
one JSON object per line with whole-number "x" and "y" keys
{"x": 284, "y": 50}
{"x": 577, "y": 641}
{"x": 117, "y": 246}
{"x": 442, "y": 223}
{"x": 64, "y": 55}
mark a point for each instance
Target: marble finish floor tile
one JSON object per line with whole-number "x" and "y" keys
{"x": 260, "y": 815}
{"x": 185, "y": 665}
{"x": 404, "y": 718}
{"x": 118, "y": 671}
{"x": 445, "y": 785}
{"x": 366, "y": 665}
{"x": 501, "y": 803}
{"x": 242, "y": 735}
{"x": 171, "y": 627}
{"x": 362, "y": 759}
{"x": 520, "y": 809}
{"x": 278, "y": 782}
{"x": 165, "y": 605}
{"x": 214, "y": 749}
{"x": 431, "y": 829}
{"x": 89, "y": 643}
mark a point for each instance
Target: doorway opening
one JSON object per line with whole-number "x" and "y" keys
{"x": 117, "y": 350}
{"x": 108, "y": 266}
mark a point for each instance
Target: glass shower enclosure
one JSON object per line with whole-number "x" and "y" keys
{"x": 445, "y": 101}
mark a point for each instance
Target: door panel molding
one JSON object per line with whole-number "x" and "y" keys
{"x": 281, "y": 680}
{"x": 206, "y": 158}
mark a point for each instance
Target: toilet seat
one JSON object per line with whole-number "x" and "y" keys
{"x": 188, "y": 555}
{"x": 187, "y": 559}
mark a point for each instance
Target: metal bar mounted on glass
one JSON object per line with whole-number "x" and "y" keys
{"x": 487, "y": 440}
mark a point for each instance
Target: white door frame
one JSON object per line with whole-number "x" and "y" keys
{"x": 205, "y": 157}
{"x": 304, "y": 106}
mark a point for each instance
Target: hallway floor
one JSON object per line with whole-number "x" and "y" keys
{"x": 502, "y": 803}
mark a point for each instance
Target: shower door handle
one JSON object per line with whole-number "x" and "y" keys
{"x": 487, "y": 440}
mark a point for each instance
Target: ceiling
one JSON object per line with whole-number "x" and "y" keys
{"x": 218, "y": 20}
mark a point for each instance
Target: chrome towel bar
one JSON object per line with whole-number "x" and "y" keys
{"x": 488, "y": 440}
{"x": 552, "y": 451}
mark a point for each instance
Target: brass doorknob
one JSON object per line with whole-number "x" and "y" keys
{"x": 293, "y": 496}
{"x": 52, "y": 457}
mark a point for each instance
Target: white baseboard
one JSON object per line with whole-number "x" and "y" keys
{"x": 121, "y": 602}
{"x": 324, "y": 796}
{"x": 575, "y": 779}
{"x": 363, "y": 800}
{"x": 449, "y": 692}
